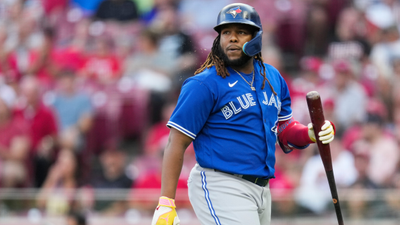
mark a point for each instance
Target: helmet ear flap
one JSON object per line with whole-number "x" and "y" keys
{"x": 253, "y": 47}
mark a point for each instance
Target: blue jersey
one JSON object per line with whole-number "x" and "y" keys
{"x": 233, "y": 128}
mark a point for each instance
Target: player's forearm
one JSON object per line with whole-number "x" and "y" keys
{"x": 293, "y": 132}
{"x": 172, "y": 162}
{"x": 298, "y": 135}
{"x": 171, "y": 170}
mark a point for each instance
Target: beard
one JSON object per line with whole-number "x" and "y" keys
{"x": 235, "y": 62}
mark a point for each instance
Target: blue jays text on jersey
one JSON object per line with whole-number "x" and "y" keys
{"x": 247, "y": 100}
{"x": 233, "y": 128}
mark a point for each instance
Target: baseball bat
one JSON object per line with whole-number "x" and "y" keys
{"x": 318, "y": 120}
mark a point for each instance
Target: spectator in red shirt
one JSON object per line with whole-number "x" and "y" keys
{"x": 53, "y": 6}
{"x": 72, "y": 55}
{"x": 8, "y": 72}
{"x": 382, "y": 148}
{"x": 24, "y": 39}
{"x": 103, "y": 66}
{"x": 149, "y": 164}
{"x": 157, "y": 137}
{"x": 307, "y": 80}
{"x": 42, "y": 63}
{"x": 149, "y": 182}
{"x": 43, "y": 127}
{"x": 14, "y": 146}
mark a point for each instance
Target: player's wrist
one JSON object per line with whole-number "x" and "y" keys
{"x": 165, "y": 212}
{"x": 310, "y": 133}
{"x": 165, "y": 201}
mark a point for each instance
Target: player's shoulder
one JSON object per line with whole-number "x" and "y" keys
{"x": 207, "y": 76}
{"x": 273, "y": 73}
{"x": 272, "y": 70}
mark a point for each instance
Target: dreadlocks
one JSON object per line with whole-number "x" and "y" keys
{"x": 213, "y": 59}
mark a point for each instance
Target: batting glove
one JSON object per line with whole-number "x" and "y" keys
{"x": 326, "y": 135}
{"x": 165, "y": 213}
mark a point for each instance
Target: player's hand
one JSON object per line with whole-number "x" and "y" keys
{"x": 326, "y": 135}
{"x": 165, "y": 213}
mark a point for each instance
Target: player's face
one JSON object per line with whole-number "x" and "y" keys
{"x": 233, "y": 37}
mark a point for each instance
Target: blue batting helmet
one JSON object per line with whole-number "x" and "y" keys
{"x": 242, "y": 14}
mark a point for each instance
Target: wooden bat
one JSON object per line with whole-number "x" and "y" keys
{"x": 318, "y": 120}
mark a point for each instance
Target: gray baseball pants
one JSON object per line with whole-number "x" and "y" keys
{"x": 223, "y": 199}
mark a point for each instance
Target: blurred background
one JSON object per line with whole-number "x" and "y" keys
{"x": 87, "y": 86}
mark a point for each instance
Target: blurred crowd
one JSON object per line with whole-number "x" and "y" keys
{"x": 87, "y": 86}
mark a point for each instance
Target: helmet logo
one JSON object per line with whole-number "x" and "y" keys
{"x": 234, "y": 11}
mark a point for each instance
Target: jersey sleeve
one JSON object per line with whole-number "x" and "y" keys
{"x": 193, "y": 108}
{"x": 286, "y": 110}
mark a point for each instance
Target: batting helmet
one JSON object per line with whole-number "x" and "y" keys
{"x": 242, "y": 14}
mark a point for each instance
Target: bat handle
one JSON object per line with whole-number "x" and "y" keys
{"x": 335, "y": 196}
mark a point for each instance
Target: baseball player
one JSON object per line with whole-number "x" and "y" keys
{"x": 234, "y": 110}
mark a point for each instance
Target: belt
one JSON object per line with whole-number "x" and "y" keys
{"x": 255, "y": 180}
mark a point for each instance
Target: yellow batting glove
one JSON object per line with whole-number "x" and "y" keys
{"x": 165, "y": 213}
{"x": 326, "y": 135}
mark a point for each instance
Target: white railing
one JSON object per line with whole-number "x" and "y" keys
{"x": 141, "y": 202}
{"x": 153, "y": 194}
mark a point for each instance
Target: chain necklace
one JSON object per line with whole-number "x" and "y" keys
{"x": 252, "y": 81}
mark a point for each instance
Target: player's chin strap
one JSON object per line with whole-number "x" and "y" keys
{"x": 253, "y": 47}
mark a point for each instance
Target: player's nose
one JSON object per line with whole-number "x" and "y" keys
{"x": 233, "y": 38}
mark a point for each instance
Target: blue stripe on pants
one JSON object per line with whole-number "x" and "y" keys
{"x": 207, "y": 197}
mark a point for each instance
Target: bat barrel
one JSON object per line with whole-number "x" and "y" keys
{"x": 318, "y": 120}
